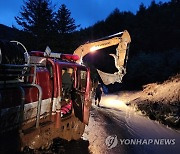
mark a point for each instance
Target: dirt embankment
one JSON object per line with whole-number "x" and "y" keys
{"x": 160, "y": 102}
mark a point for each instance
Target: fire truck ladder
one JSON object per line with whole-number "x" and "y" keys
{"x": 16, "y": 76}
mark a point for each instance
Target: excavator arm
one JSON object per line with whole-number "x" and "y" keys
{"x": 120, "y": 57}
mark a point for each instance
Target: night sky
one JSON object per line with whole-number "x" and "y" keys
{"x": 85, "y": 12}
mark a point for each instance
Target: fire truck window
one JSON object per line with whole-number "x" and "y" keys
{"x": 82, "y": 80}
{"x": 50, "y": 69}
{"x": 67, "y": 81}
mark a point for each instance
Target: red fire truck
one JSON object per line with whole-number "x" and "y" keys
{"x": 35, "y": 104}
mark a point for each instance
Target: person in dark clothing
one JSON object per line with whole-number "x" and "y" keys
{"x": 98, "y": 94}
{"x": 67, "y": 87}
{"x": 67, "y": 82}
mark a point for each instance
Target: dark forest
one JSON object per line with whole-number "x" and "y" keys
{"x": 154, "y": 54}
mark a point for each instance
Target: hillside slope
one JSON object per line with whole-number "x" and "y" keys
{"x": 8, "y": 33}
{"x": 160, "y": 102}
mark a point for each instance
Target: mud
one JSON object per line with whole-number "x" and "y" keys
{"x": 160, "y": 102}
{"x": 61, "y": 146}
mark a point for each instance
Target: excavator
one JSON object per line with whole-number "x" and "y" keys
{"x": 122, "y": 40}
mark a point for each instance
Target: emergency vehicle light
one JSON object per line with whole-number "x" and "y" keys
{"x": 69, "y": 57}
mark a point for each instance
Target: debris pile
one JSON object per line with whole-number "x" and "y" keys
{"x": 161, "y": 102}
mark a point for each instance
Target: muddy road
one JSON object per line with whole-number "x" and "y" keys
{"x": 116, "y": 128}
{"x": 130, "y": 133}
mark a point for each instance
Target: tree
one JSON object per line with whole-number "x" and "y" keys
{"x": 65, "y": 28}
{"x": 64, "y": 22}
{"x": 36, "y": 17}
